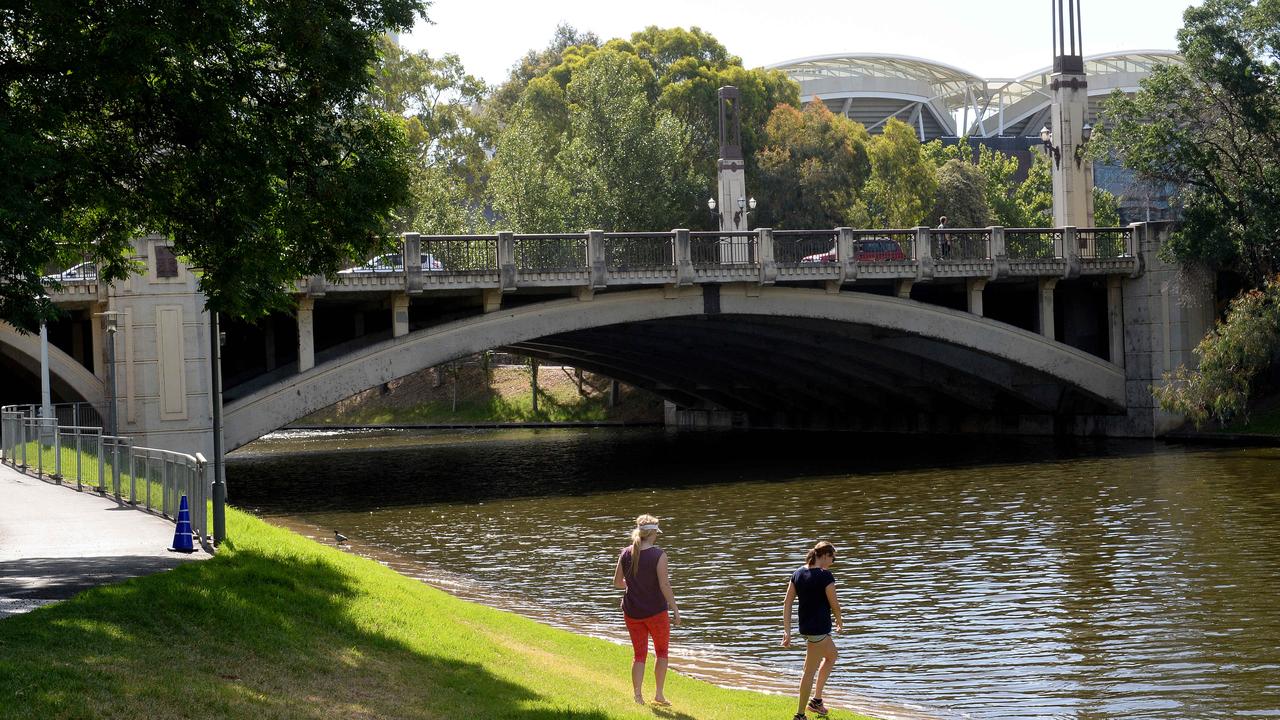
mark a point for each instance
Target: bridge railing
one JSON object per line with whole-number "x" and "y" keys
{"x": 627, "y": 252}
{"x": 872, "y": 246}
{"x": 791, "y": 248}
{"x": 148, "y": 479}
{"x": 462, "y": 253}
{"x": 1104, "y": 243}
{"x": 961, "y": 244}
{"x": 1033, "y": 243}
{"x": 545, "y": 252}
{"x": 708, "y": 249}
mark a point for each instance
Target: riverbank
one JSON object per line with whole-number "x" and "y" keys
{"x": 280, "y": 626}
{"x": 472, "y": 393}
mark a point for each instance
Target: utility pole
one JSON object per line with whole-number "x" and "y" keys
{"x": 46, "y": 402}
{"x": 215, "y": 392}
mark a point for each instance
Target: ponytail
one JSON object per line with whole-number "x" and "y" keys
{"x": 637, "y": 535}
{"x": 819, "y": 550}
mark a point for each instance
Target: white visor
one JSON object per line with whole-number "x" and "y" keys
{"x": 650, "y": 526}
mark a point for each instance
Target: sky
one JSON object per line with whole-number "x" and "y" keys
{"x": 991, "y": 38}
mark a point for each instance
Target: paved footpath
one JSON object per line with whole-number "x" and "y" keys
{"x": 56, "y": 542}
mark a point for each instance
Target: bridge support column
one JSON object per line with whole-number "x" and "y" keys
{"x": 976, "y": 286}
{"x": 492, "y": 299}
{"x": 1045, "y": 299}
{"x": 97, "y": 329}
{"x": 902, "y": 288}
{"x": 306, "y": 333}
{"x": 399, "y": 315}
{"x": 1115, "y": 318}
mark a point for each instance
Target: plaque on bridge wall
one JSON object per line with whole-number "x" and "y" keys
{"x": 166, "y": 262}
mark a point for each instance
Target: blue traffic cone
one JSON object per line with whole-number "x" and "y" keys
{"x": 182, "y": 536}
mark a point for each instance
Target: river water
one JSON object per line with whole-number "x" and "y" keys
{"x": 981, "y": 578}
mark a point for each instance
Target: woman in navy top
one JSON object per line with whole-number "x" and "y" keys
{"x": 815, "y": 587}
{"x": 642, "y": 572}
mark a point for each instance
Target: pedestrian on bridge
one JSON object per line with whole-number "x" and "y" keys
{"x": 642, "y": 572}
{"x": 815, "y": 587}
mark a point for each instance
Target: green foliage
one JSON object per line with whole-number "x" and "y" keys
{"x": 1106, "y": 208}
{"x": 903, "y": 186}
{"x": 680, "y": 72}
{"x": 1232, "y": 356}
{"x": 597, "y": 154}
{"x": 1212, "y": 129}
{"x": 239, "y": 129}
{"x": 433, "y": 98}
{"x": 1034, "y": 197}
{"x": 811, "y": 168}
{"x": 961, "y": 195}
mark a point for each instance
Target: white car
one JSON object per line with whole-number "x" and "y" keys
{"x": 392, "y": 262}
{"x": 83, "y": 271}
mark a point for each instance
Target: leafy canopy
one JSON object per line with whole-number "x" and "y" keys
{"x": 1212, "y": 129}
{"x": 812, "y": 167}
{"x": 239, "y": 129}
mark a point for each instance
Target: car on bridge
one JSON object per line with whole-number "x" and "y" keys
{"x": 868, "y": 250}
{"x": 392, "y": 262}
{"x": 83, "y": 271}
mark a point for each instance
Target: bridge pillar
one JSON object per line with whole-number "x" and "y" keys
{"x": 400, "y": 315}
{"x": 597, "y": 260}
{"x": 306, "y": 333}
{"x": 684, "y": 258}
{"x": 1045, "y": 300}
{"x": 1115, "y": 318}
{"x": 764, "y": 254}
{"x": 97, "y": 337}
{"x": 975, "y": 287}
{"x": 507, "y": 261}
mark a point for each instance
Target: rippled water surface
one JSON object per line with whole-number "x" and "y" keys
{"x": 984, "y": 578}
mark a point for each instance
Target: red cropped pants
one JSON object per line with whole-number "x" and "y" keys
{"x": 658, "y": 626}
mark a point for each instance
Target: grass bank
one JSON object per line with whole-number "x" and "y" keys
{"x": 472, "y": 392}
{"x": 278, "y": 626}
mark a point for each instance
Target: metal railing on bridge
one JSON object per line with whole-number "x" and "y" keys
{"x": 596, "y": 258}
{"x": 148, "y": 479}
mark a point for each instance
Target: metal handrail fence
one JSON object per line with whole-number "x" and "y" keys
{"x": 904, "y": 239}
{"x": 961, "y": 244}
{"x": 551, "y": 252}
{"x": 791, "y": 247}
{"x": 708, "y": 249}
{"x": 1104, "y": 243}
{"x": 629, "y": 251}
{"x": 149, "y": 479}
{"x": 462, "y": 253}
{"x": 1033, "y": 243}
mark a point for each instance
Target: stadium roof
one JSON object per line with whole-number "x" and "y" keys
{"x": 940, "y": 99}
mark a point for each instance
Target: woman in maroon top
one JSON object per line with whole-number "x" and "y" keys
{"x": 642, "y": 572}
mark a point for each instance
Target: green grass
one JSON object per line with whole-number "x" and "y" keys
{"x": 278, "y": 626}
{"x": 485, "y": 410}
{"x": 43, "y": 461}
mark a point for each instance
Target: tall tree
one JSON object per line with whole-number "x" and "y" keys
{"x": 812, "y": 166}
{"x": 1212, "y": 129}
{"x": 961, "y": 195}
{"x": 903, "y": 185}
{"x": 433, "y": 99}
{"x": 239, "y": 129}
{"x": 686, "y": 67}
{"x": 596, "y": 154}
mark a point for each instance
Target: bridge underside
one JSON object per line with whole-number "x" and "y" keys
{"x": 777, "y": 356}
{"x": 796, "y": 372}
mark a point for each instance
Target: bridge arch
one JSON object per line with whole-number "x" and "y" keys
{"x": 902, "y": 338}
{"x": 69, "y": 378}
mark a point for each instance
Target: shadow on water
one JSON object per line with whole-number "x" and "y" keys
{"x": 398, "y": 468}
{"x": 273, "y": 637}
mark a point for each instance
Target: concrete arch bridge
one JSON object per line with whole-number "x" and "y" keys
{"x": 984, "y": 329}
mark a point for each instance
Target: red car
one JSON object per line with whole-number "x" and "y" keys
{"x": 869, "y": 250}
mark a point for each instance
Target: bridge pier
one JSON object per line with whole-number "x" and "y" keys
{"x": 975, "y": 287}
{"x": 306, "y": 333}
{"x": 1044, "y": 299}
{"x": 399, "y": 315}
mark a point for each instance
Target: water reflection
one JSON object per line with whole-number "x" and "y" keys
{"x": 1008, "y": 578}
